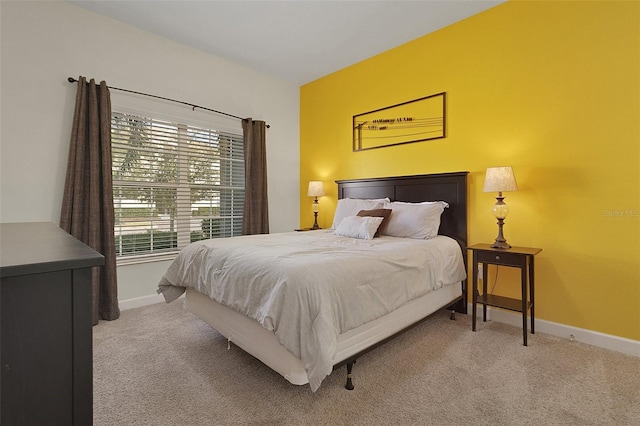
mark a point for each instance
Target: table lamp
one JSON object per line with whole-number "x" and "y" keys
{"x": 315, "y": 190}
{"x": 500, "y": 179}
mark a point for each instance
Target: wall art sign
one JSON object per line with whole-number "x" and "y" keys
{"x": 413, "y": 121}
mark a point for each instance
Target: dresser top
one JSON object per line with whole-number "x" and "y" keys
{"x": 38, "y": 247}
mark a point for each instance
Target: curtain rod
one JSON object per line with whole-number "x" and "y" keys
{"x": 193, "y": 106}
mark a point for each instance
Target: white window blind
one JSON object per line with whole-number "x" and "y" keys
{"x": 173, "y": 184}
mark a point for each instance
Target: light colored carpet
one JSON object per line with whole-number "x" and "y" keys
{"x": 160, "y": 365}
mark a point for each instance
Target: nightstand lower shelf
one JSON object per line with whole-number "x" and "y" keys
{"x": 502, "y": 302}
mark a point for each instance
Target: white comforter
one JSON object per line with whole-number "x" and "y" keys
{"x": 309, "y": 287}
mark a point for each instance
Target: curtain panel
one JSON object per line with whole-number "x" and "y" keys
{"x": 256, "y": 206}
{"x": 87, "y": 205}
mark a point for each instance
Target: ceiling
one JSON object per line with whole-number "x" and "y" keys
{"x": 297, "y": 41}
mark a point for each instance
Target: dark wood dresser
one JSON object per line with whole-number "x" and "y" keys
{"x": 46, "y": 356}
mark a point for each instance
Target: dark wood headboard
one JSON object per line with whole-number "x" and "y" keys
{"x": 449, "y": 187}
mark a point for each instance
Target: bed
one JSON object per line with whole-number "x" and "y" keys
{"x": 306, "y": 303}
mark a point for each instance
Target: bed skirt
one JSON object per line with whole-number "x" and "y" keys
{"x": 256, "y": 340}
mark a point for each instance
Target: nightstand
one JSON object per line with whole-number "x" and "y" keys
{"x": 515, "y": 257}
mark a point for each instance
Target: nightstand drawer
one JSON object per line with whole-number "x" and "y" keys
{"x": 507, "y": 259}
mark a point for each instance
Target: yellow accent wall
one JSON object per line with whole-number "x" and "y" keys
{"x": 549, "y": 88}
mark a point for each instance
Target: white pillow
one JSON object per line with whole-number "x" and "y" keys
{"x": 363, "y": 227}
{"x": 351, "y": 207}
{"x": 414, "y": 220}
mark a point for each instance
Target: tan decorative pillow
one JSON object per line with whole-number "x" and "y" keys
{"x": 383, "y": 213}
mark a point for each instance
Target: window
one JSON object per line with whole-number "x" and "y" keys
{"x": 173, "y": 184}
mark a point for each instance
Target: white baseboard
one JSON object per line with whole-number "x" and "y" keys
{"x": 594, "y": 338}
{"x": 140, "y": 301}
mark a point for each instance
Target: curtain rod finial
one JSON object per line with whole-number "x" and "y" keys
{"x": 71, "y": 80}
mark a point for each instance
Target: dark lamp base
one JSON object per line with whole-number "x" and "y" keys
{"x": 501, "y": 245}
{"x": 501, "y": 242}
{"x": 315, "y": 221}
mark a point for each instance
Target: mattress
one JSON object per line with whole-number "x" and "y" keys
{"x": 256, "y": 340}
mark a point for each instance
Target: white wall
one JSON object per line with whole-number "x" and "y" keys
{"x": 43, "y": 43}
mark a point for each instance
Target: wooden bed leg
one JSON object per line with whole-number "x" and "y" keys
{"x": 453, "y": 315}
{"x": 349, "y": 384}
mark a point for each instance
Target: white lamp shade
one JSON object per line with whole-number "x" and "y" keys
{"x": 500, "y": 179}
{"x": 316, "y": 189}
